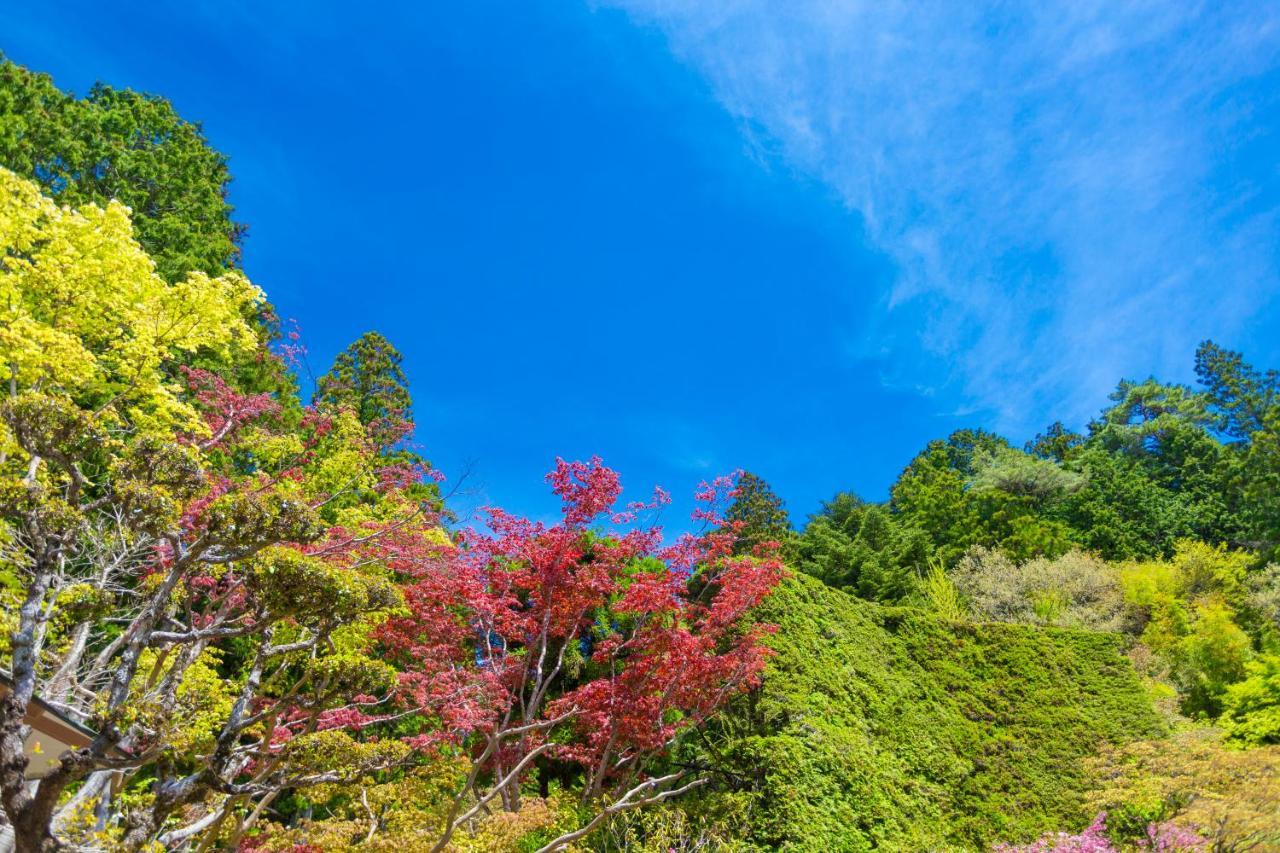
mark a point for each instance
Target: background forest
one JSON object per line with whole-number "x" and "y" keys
{"x": 258, "y": 605}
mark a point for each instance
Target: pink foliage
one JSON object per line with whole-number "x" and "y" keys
{"x": 291, "y": 350}
{"x": 1169, "y": 837}
{"x": 1092, "y": 840}
{"x": 1161, "y": 838}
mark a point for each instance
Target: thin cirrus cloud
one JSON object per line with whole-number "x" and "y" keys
{"x": 1070, "y": 192}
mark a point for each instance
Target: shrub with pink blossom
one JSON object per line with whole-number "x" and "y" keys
{"x": 1092, "y": 840}
{"x": 1168, "y": 837}
{"x": 1161, "y": 838}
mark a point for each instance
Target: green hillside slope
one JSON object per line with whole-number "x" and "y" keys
{"x": 882, "y": 728}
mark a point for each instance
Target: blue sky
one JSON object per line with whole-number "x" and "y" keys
{"x": 800, "y": 238}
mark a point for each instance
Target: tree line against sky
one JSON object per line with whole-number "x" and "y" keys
{"x": 262, "y": 607}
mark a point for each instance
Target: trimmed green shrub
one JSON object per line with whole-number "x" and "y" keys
{"x": 886, "y": 728}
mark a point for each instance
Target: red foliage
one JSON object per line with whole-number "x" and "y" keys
{"x": 225, "y": 409}
{"x": 608, "y": 634}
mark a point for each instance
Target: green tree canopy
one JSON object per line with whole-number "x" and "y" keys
{"x": 863, "y": 548}
{"x": 1245, "y": 402}
{"x": 1056, "y": 443}
{"x": 1243, "y": 398}
{"x": 974, "y": 489}
{"x": 131, "y": 147}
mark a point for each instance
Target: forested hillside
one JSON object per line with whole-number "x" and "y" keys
{"x": 247, "y": 598}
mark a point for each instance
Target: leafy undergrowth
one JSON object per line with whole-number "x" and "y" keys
{"x": 1196, "y": 779}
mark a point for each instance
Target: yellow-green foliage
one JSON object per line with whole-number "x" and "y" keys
{"x": 1196, "y": 780}
{"x": 676, "y": 830}
{"x": 151, "y": 477}
{"x": 1262, "y": 593}
{"x": 335, "y": 750}
{"x": 1251, "y": 708}
{"x": 1190, "y": 604}
{"x": 1195, "y": 570}
{"x": 78, "y": 828}
{"x": 312, "y": 590}
{"x": 85, "y": 311}
{"x": 342, "y": 458}
{"x": 350, "y": 674}
{"x": 889, "y": 729}
{"x": 941, "y": 595}
{"x": 405, "y": 812}
{"x": 204, "y": 699}
{"x": 537, "y": 822}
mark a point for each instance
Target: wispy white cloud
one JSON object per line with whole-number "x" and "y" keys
{"x": 1071, "y": 192}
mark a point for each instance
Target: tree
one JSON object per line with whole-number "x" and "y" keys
{"x": 528, "y": 642}
{"x": 1186, "y": 609}
{"x": 757, "y": 513}
{"x": 1261, "y": 487}
{"x": 367, "y": 378}
{"x": 1165, "y": 430}
{"x": 1194, "y": 779}
{"x": 932, "y": 494}
{"x": 186, "y": 574}
{"x": 1056, "y": 443}
{"x": 1076, "y": 590}
{"x": 862, "y": 548}
{"x": 129, "y": 147}
{"x": 1251, "y": 707}
{"x": 1019, "y": 496}
{"x": 137, "y": 487}
{"x": 1120, "y": 512}
{"x": 135, "y": 149}
{"x": 1241, "y": 397}
{"x": 973, "y": 489}
{"x": 1246, "y": 405}
{"x": 1020, "y": 474}
{"x": 89, "y": 317}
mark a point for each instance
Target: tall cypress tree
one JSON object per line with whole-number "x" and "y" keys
{"x": 367, "y": 378}
{"x": 762, "y": 513}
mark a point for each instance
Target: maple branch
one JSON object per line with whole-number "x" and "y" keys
{"x": 625, "y": 803}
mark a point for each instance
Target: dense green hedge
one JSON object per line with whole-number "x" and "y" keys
{"x": 882, "y": 728}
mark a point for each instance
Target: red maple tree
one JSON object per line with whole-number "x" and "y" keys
{"x": 589, "y": 641}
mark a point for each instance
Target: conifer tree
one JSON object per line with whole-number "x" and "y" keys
{"x": 760, "y": 515}
{"x": 367, "y": 378}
